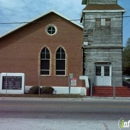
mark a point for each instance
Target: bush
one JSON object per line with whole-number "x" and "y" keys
{"x": 34, "y": 90}
{"x": 47, "y": 90}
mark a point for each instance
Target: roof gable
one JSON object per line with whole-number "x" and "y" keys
{"x": 38, "y": 17}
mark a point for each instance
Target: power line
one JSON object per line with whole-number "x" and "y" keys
{"x": 31, "y": 22}
{"x": 15, "y": 22}
{"x": 51, "y": 21}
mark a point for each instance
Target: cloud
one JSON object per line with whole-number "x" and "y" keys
{"x": 24, "y": 10}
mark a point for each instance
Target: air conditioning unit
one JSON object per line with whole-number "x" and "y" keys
{"x": 85, "y": 43}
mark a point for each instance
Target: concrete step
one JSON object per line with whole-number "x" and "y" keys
{"x": 108, "y": 91}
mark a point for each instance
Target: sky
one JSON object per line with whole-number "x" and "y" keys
{"x": 12, "y": 11}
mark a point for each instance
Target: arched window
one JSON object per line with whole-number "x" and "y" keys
{"x": 60, "y": 61}
{"x": 45, "y": 62}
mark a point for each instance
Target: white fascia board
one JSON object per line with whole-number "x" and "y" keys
{"x": 53, "y": 11}
{"x": 68, "y": 19}
{"x": 28, "y": 22}
{"x": 12, "y": 30}
{"x": 102, "y": 11}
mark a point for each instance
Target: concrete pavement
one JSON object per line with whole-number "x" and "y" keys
{"x": 69, "y": 99}
{"x": 49, "y": 124}
{"x": 63, "y": 113}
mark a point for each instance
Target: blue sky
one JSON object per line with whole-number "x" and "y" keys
{"x": 23, "y": 10}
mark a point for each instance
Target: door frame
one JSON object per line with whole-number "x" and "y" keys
{"x": 103, "y": 80}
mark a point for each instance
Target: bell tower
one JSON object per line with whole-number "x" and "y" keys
{"x": 102, "y": 41}
{"x": 99, "y": 2}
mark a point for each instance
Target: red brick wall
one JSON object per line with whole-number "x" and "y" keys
{"x": 20, "y": 50}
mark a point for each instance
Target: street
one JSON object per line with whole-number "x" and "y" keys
{"x": 62, "y": 114}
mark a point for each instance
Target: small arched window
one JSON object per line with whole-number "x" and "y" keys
{"x": 60, "y": 61}
{"x": 45, "y": 62}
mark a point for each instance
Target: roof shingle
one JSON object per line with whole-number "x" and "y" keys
{"x": 103, "y": 7}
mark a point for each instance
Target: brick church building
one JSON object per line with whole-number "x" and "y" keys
{"x": 51, "y": 47}
{"x": 46, "y": 50}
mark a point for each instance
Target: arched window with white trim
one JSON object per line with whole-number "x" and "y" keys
{"x": 45, "y": 61}
{"x": 60, "y": 61}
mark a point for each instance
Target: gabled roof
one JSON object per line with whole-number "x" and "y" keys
{"x": 40, "y": 16}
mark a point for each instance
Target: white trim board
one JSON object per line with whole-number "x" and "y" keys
{"x": 40, "y": 16}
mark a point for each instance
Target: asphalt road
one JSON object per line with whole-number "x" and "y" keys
{"x": 62, "y": 114}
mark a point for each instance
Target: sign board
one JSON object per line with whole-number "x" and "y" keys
{"x": 73, "y": 82}
{"x": 12, "y": 82}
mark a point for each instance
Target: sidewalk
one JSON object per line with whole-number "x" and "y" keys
{"x": 68, "y": 99}
{"x": 108, "y": 98}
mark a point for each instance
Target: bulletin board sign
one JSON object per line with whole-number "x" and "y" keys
{"x": 73, "y": 82}
{"x": 12, "y": 83}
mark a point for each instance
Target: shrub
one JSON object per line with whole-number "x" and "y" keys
{"x": 34, "y": 90}
{"x": 47, "y": 90}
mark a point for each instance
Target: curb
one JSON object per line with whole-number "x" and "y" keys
{"x": 66, "y": 99}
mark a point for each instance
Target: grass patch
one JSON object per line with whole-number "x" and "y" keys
{"x": 43, "y": 95}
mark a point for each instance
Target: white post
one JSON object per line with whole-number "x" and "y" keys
{"x": 69, "y": 81}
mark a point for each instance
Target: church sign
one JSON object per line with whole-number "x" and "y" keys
{"x": 12, "y": 83}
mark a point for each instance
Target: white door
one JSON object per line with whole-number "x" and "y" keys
{"x": 103, "y": 75}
